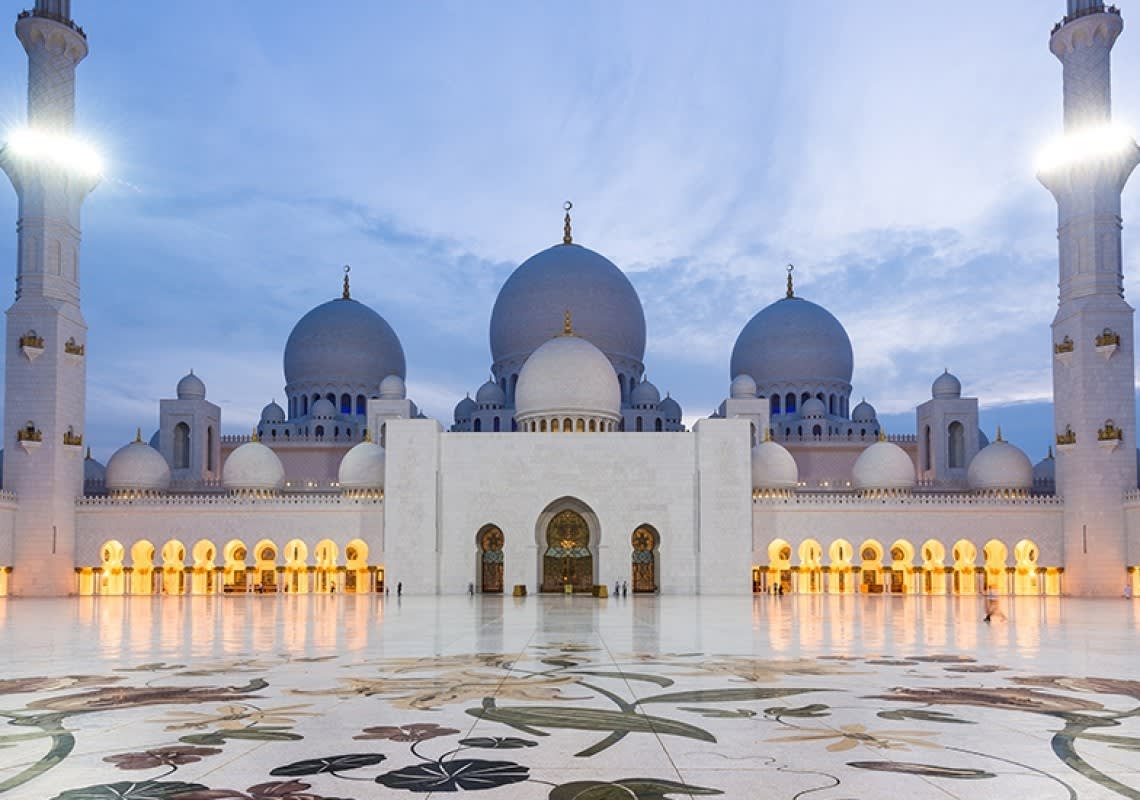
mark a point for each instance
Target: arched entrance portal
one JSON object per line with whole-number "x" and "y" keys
{"x": 567, "y": 559}
{"x": 491, "y": 560}
{"x": 643, "y": 566}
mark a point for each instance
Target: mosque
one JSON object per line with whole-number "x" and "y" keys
{"x": 568, "y": 471}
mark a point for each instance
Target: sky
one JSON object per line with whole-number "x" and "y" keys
{"x": 254, "y": 148}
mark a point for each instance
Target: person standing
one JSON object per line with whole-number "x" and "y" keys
{"x": 399, "y": 588}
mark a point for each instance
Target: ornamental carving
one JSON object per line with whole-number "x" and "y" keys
{"x": 1068, "y": 437}
{"x": 72, "y": 438}
{"x": 1108, "y": 338}
{"x": 72, "y": 348}
{"x": 1064, "y": 346}
{"x": 32, "y": 339}
{"x": 1109, "y": 433}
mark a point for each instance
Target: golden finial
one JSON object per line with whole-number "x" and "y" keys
{"x": 345, "y": 295}
{"x": 566, "y": 237}
{"x": 767, "y": 433}
{"x": 367, "y": 435}
{"x": 88, "y": 453}
{"x": 253, "y": 437}
{"x": 567, "y": 324}
{"x": 791, "y": 269}
{"x": 999, "y": 434}
{"x": 138, "y": 435}
{"x": 882, "y": 435}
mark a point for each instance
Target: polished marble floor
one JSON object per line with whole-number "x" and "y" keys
{"x": 819, "y": 697}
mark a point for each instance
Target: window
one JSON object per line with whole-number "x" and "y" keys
{"x": 639, "y": 425}
{"x": 320, "y": 431}
{"x": 346, "y": 403}
{"x": 211, "y": 444}
{"x": 790, "y": 404}
{"x": 774, "y": 404}
{"x": 926, "y": 448}
{"x": 657, "y": 425}
{"x": 478, "y": 426}
{"x": 181, "y": 446}
{"x": 495, "y": 424}
{"x": 956, "y": 436}
{"x": 361, "y": 405}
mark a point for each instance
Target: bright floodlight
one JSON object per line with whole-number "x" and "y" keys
{"x": 1089, "y": 144}
{"x": 62, "y": 150}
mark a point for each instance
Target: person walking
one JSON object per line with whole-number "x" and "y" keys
{"x": 399, "y": 588}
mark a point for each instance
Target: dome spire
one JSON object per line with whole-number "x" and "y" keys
{"x": 567, "y": 238}
{"x": 791, "y": 269}
{"x": 138, "y": 435}
{"x": 253, "y": 437}
{"x": 345, "y": 294}
{"x": 567, "y": 322}
{"x": 999, "y": 434}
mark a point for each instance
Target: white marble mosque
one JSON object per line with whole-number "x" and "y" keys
{"x": 568, "y": 470}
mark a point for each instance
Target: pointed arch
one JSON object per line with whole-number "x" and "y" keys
{"x": 112, "y": 578}
{"x": 489, "y": 541}
{"x": 645, "y": 542}
{"x": 567, "y": 534}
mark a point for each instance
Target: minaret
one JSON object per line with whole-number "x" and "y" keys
{"x": 1093, "y": 357}
{"x": 45, "y": 388}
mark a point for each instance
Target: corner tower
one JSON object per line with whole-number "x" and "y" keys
{"x": 1093, "y": 358}
{"x": 45, "y": 388}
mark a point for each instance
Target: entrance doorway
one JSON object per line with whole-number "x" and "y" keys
{"x": 491, "y": 560}
{"x": 567, "y": 559}
{"x": 643, "y": 566}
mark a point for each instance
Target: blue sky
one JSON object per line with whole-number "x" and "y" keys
{"x": 254, "y": 148}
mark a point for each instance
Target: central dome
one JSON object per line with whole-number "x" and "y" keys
{"x": 342, "y": 343}
{"x": 568, "y": 375}
{"x": 793, "y": 341}
{"x": 567, "y": 277}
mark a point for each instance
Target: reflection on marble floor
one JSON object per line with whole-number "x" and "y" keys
{"x": 310, "y": 697}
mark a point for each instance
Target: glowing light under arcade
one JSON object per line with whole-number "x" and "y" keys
{"x": 1088, "y": 144}
{"x": 64, "y": 151}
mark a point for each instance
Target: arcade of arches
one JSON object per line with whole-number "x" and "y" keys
{"x": 902, "y": 569}
{"x": 235, "y": 569}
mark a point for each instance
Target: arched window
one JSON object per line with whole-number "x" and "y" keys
{"x": 790, "y": 404}
{"x": 361, "y": 405}
{"x": 800, "y": 431}
{"x": 554, "y": 425}
{"x": 331, "y": 398}
{"x": 478, "y": 426}
{"x": 580, "y": 426}
{"x": 210, "y": 446}
{"x": 286, "y": 433}
{"x": 817, "y": 430}
{"x": 316, "y": 397}
{"x": 567, "y": 425}
{"x": 495, "y": 425}
{"x": 593, "y": 426}
{"x": 346, "y": 403}
{"x": 657, "y": 425}
{"x": 926, "y": 447}
{"x": 336, "y": 432}
{"x": 181, "y": 446}
{"x": 819, "y": 396}
{"x": 542, "y": 426}
{"x": 804, "y": 398}
{"x": 320, "y": 431}
{"x": 638, "y": 425}
{"x": 956, "y": 445}
{"x": 831, "y": 405}
{"x": 305, "y": 406}
{"x": 774, "y": 404}
{"x": 292, "y": 407}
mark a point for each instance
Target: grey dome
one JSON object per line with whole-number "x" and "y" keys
{"x": 93, "y": 470}
{"x": 669, "y": 408}
{"x": 568, "y": 277}
{"x": 393, "y": 387}
{"x": 1046, "y": 468}
{"x": 742, "y": 387}
{"x": 464, "y": 409}
{"x": 644, "y": 394}
{"x": 272, "y": 413}
{"x": 864, "y": 412}
{"x": 342, "y": 343}
{"x": 946, "y": 386}
{"x": 813, "y": 408}
{"x": 491, "y": 395}
{"x": 191, "y": 387}
{"x": 793, "y": 341}
{"x": 323, "y": 409}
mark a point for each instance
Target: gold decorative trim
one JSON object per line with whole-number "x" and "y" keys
{"x": 567, "y": 236}
{"x": 1068, "y": 437}
{"x": 70, "y": 437}
{"x": 29, "y": 433}
{"x": 1066, "y": 345}
{"x": 1108, "y": 338}
{"x": 32, "y": 339}
{"x": 73, "y": 348}
{"x": 1109, "y": 433}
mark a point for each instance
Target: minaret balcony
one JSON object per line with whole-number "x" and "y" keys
{"x": 32, "y": 345}
{"x": 74, "y": 352}
{"x": 1107, "y": 343}
{"x": 30, "y": 437}
{"x": 1063, "y": 351}
{"x": 1109, "y": 437}
{"x": 1066, "y": 441}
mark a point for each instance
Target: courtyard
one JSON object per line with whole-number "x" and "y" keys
{"x": 361, "y": 696}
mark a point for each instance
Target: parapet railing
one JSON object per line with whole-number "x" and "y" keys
{"x": 1098, "y": 8}
{"x": 153, "y": 500}
{"x": 53, "y": 16}
{"x": 898, "y": 498}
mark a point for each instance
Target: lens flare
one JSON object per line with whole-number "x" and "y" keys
{"x": 1086, "y": 145}
{"x": 65, "y": 151}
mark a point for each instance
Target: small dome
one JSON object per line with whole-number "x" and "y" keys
{"x": 864, "y": 412}
{"x": 1000, "y": 466}
{"x": 773, "y": 467}
{"x": 793, "y": 341}
{"x": 137, "y": 467}
{"x": 491, "y": 395}
{"x": 946, "y": 386}
{"x": 253, "y": 467}
{"x": 883, "y": 465}
{"x": 742, "y": 388}
{"x": 393, "y": 388}
{"x": 362, "y": 467}
{"x": 1046, "y": 468}
{"x": 669, "y": 408}
{"x": 606, "y": 308}
{"x": 191, "y": 388}
{"x": 644, "y": 394}
{"x": 813, "y": 409}
{"x": 464, "y": 409}
{"x": 323, "y": 409}
{"x": 568, "y": 375}
{"x": 93, "y": 471}
{"x": 272, "y": 413}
